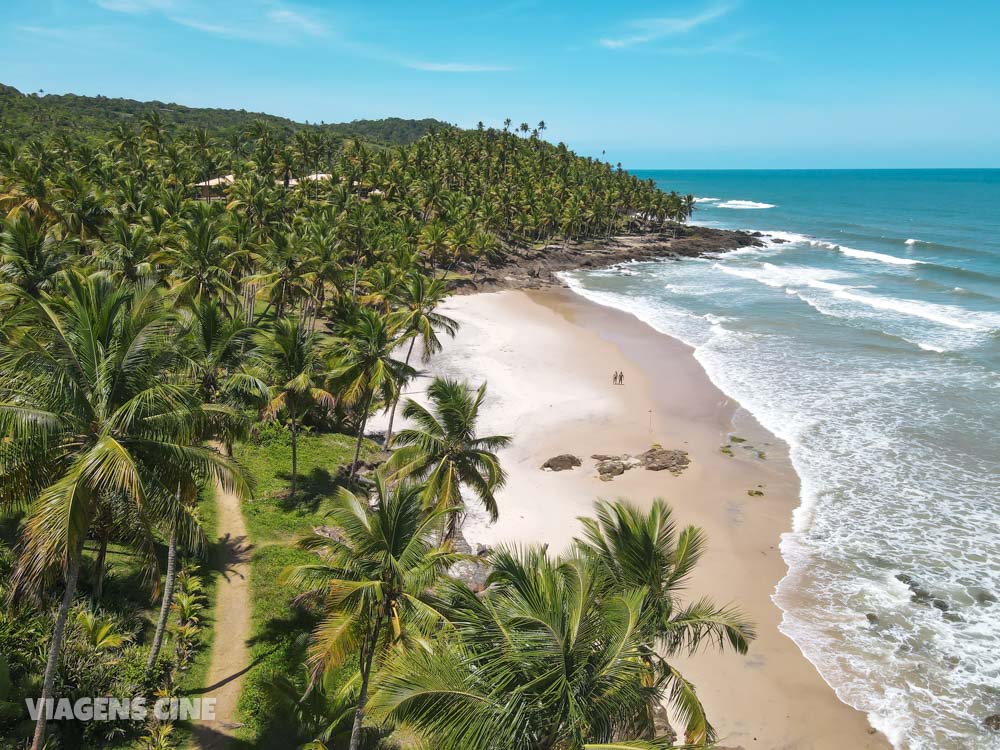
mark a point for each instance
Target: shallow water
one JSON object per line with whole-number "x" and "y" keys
{"x": 867, "y": 335}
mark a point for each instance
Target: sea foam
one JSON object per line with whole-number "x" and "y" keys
{"x": 795, "y": 278}
{"x": 745, "y": 205}
{"x": 851, "y": 252}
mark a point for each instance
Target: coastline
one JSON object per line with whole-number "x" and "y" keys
{"x": 548, "y": 357}
{"x": 537, "y": 267}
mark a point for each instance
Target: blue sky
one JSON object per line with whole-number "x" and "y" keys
{"x": 667, "y": 84}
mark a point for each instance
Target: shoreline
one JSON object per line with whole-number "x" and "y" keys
{"x": 548, "y": 356}
{"x": 537, "y": 267}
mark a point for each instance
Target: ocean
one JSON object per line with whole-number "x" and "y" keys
{"x": 866, "y": 334}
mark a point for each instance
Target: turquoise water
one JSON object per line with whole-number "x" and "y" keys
{"x": 867, "y": 335}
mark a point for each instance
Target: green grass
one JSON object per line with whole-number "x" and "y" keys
{"x": 272, "y": 516}
{"x": 276, "y": 643}
{"x": 274, "y": 521}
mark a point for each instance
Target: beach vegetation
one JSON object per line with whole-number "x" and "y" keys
{"x": 194, "y": 301}
{"x": 444, "y": 451}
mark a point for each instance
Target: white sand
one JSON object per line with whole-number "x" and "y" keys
{"x": 548, "y": 358}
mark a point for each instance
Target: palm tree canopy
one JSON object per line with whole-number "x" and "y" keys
{"x": 444, "y": 450}
{"x": 643, "y": 550}
{"x": 377, "y": 556}
{"x": 545, "y": 659}
{"x": 216, "y": 348}
{"x": 420, "y": 297}
{"x": 87, "y": 414}
{"x": 30, "y": 256}
{"x": 364, "y": 361}
{"x": 294, "y": 360}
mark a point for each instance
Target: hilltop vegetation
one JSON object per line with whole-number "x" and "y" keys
{"x": 32, "y": 115}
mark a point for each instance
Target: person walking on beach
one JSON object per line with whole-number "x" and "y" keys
{"x": 614, "y": 378}
{"x": 621, "y": 378}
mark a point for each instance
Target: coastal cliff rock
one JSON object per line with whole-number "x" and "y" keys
{"x": 536, "y": 267}
{"x": 562, "y": 462}
{"x": 474, "y": 573}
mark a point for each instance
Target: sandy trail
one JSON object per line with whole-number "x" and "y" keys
{"x": 230, "y": 653}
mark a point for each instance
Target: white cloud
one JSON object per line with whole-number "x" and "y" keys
{"x": 135, "y": 6}
{"x": 453, "y": 67}
{"x": 297, "y": 21}
{"x": 231, "y": 32}
{"x": 650, "y": 29}
{"x": 265, "y": 21}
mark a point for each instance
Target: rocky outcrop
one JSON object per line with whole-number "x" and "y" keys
{"x": 475, "y": 573}
{"x": 661, "y": 724}
{"x": 917, "y": 592}
{"x": 992, "y": 722}
{"x": 610, "y": 468}
{"x": 475, "y": 570}
{"x": 984, "y": 597}
{"x": 658, "y": 459}
{"x": 562, "y": 462}
{"x": 533, "y": 267}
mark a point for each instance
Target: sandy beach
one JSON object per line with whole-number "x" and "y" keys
{"x": 548, "y": 357}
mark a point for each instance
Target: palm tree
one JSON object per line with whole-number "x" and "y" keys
{"x": 117, "y": 520}
{"x": 90, "y": 412}
{"x": 99, "y": 632}
{"x": 201, "y": 257}
{"x": 216, "y": 350}
{"x": 642, "y": 551}
{"x": 419, "y": 298}
{"x": 181, "y": 527}
{"x": 293, "y": 359}
{"x": 285, "y": 271}
{"x": 126, "y": 250}
{"x": 374, "y": 568}
{"x": 30, "y": 256}
{"x": 547, "y": 657}
{"x": 366, "y": 367}
{"x": 444, "y": 450}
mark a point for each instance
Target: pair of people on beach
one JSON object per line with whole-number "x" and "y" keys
{"x": 618, "y": 378}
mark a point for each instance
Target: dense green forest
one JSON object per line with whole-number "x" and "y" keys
{"x": 31, "y": 115}
{"x": 164, "y": 346}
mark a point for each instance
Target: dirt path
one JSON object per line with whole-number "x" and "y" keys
{"x": 230, "y": 653}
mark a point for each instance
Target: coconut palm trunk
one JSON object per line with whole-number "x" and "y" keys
{"x": 361, "y": 433}
{"x": 72, "y": 576}
{"x": 395, "y": 401}
{"x": 100, "y": 567}
{"x": 168, "y": 598}
{"x": 295, "y": 456}
{"x": 366, "y": 669}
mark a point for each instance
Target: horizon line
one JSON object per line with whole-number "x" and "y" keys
{"x": 811, "y": 169}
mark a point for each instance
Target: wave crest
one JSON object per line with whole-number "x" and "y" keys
{"x": 745, "y": 205}
{"x": 851, "y": 252}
